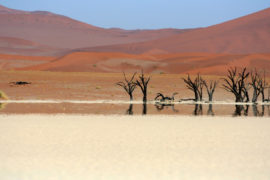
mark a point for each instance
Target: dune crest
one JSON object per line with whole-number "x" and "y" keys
{"x": 248, "y": 34}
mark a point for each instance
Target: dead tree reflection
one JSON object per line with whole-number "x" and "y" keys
{"x": 161, "y": 106}
{"x": 130, "y": 110}
{"x": 198, "y": 110}
{"x": 210, "y": 111}
{"x": 256, "y": 111}
{"x": 241, "y": 110}
{"x": 268, "y": 109}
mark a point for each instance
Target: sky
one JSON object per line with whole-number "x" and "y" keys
{"x": 145, "y": 14}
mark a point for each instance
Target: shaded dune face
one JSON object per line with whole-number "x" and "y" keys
{"x": 248, "y": 34}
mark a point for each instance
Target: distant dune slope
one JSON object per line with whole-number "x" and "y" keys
{"x": 62, "y": 32}
{"x": 11, "y": 62}
{"x": 17, "y": 46}
{"x": 243, "y": 42}
{"x": 204, "y": 63}
{"x": 248, "y": 34}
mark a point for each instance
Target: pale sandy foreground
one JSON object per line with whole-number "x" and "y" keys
{"x": 46, "y": 147}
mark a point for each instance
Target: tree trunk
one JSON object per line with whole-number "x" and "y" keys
{"x": 255, "y": 97}
{"x": 263, "y": 98}
{"x": 238, "y": 98}
{"x": 210, "y": 95}
{"x": 247, "y": 96}
{"x": 144, "y": 98}
{"x": 144, "y": 108}
{"x": 145, "y": 95}
{"x": 196, "y": 95}
{"x": 131, "y": 97}
{"x": 200, "y": 97}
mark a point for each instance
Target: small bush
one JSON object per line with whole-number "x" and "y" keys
{"x": 3, "y": 95}
{"x": 98, "y": 87}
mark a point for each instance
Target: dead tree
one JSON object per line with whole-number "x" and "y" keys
{"x": 160, "y": 97}
{"x": 235, "y": 83}
{"x": 199, "y": 82}
{"x": 210, "y": 89}
{"x": 196, "y": 86}
{"x": 268, "y": 98}
{"x": 245, "y": 92}
{"x": 263, "y": 86}
{"x": 144, "y": 111}
{"x": 191, "y": 85}
{"x": 143, "y": 83}
{"x": 128, "y": 85}
{"x": 255, "y": 83}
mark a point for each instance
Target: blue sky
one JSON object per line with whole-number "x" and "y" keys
{"x": 145, "y": 14}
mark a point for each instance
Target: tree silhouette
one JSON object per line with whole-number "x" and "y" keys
{"x": 142, "y": 82}
{"x": 236, "y": 83}
{"x": 128, "y": 85}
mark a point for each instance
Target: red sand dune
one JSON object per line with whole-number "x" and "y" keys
{"x": 204, "y": 63}
{"x": 248, "y": 34}
{"x": 10, "y": 62}
{"x": 241, "y": 42}
{"x": 62, "y": 32}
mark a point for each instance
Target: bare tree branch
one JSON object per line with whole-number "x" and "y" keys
{"x": 142, "y": 82}
{"x": 128, "y": 85}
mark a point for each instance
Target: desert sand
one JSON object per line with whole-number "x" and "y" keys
{"x": 137, "y": 147}
{"x": 93, "y": 86}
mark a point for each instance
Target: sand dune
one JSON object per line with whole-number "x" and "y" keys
{"x": 18, "y": 46}
{"x": 241, "y": 42}
{"x": 62, "y": 32}
{"x": 248, "y": 34}
{"x": 205, "y": 63}
{"x": 10, "y": 62}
